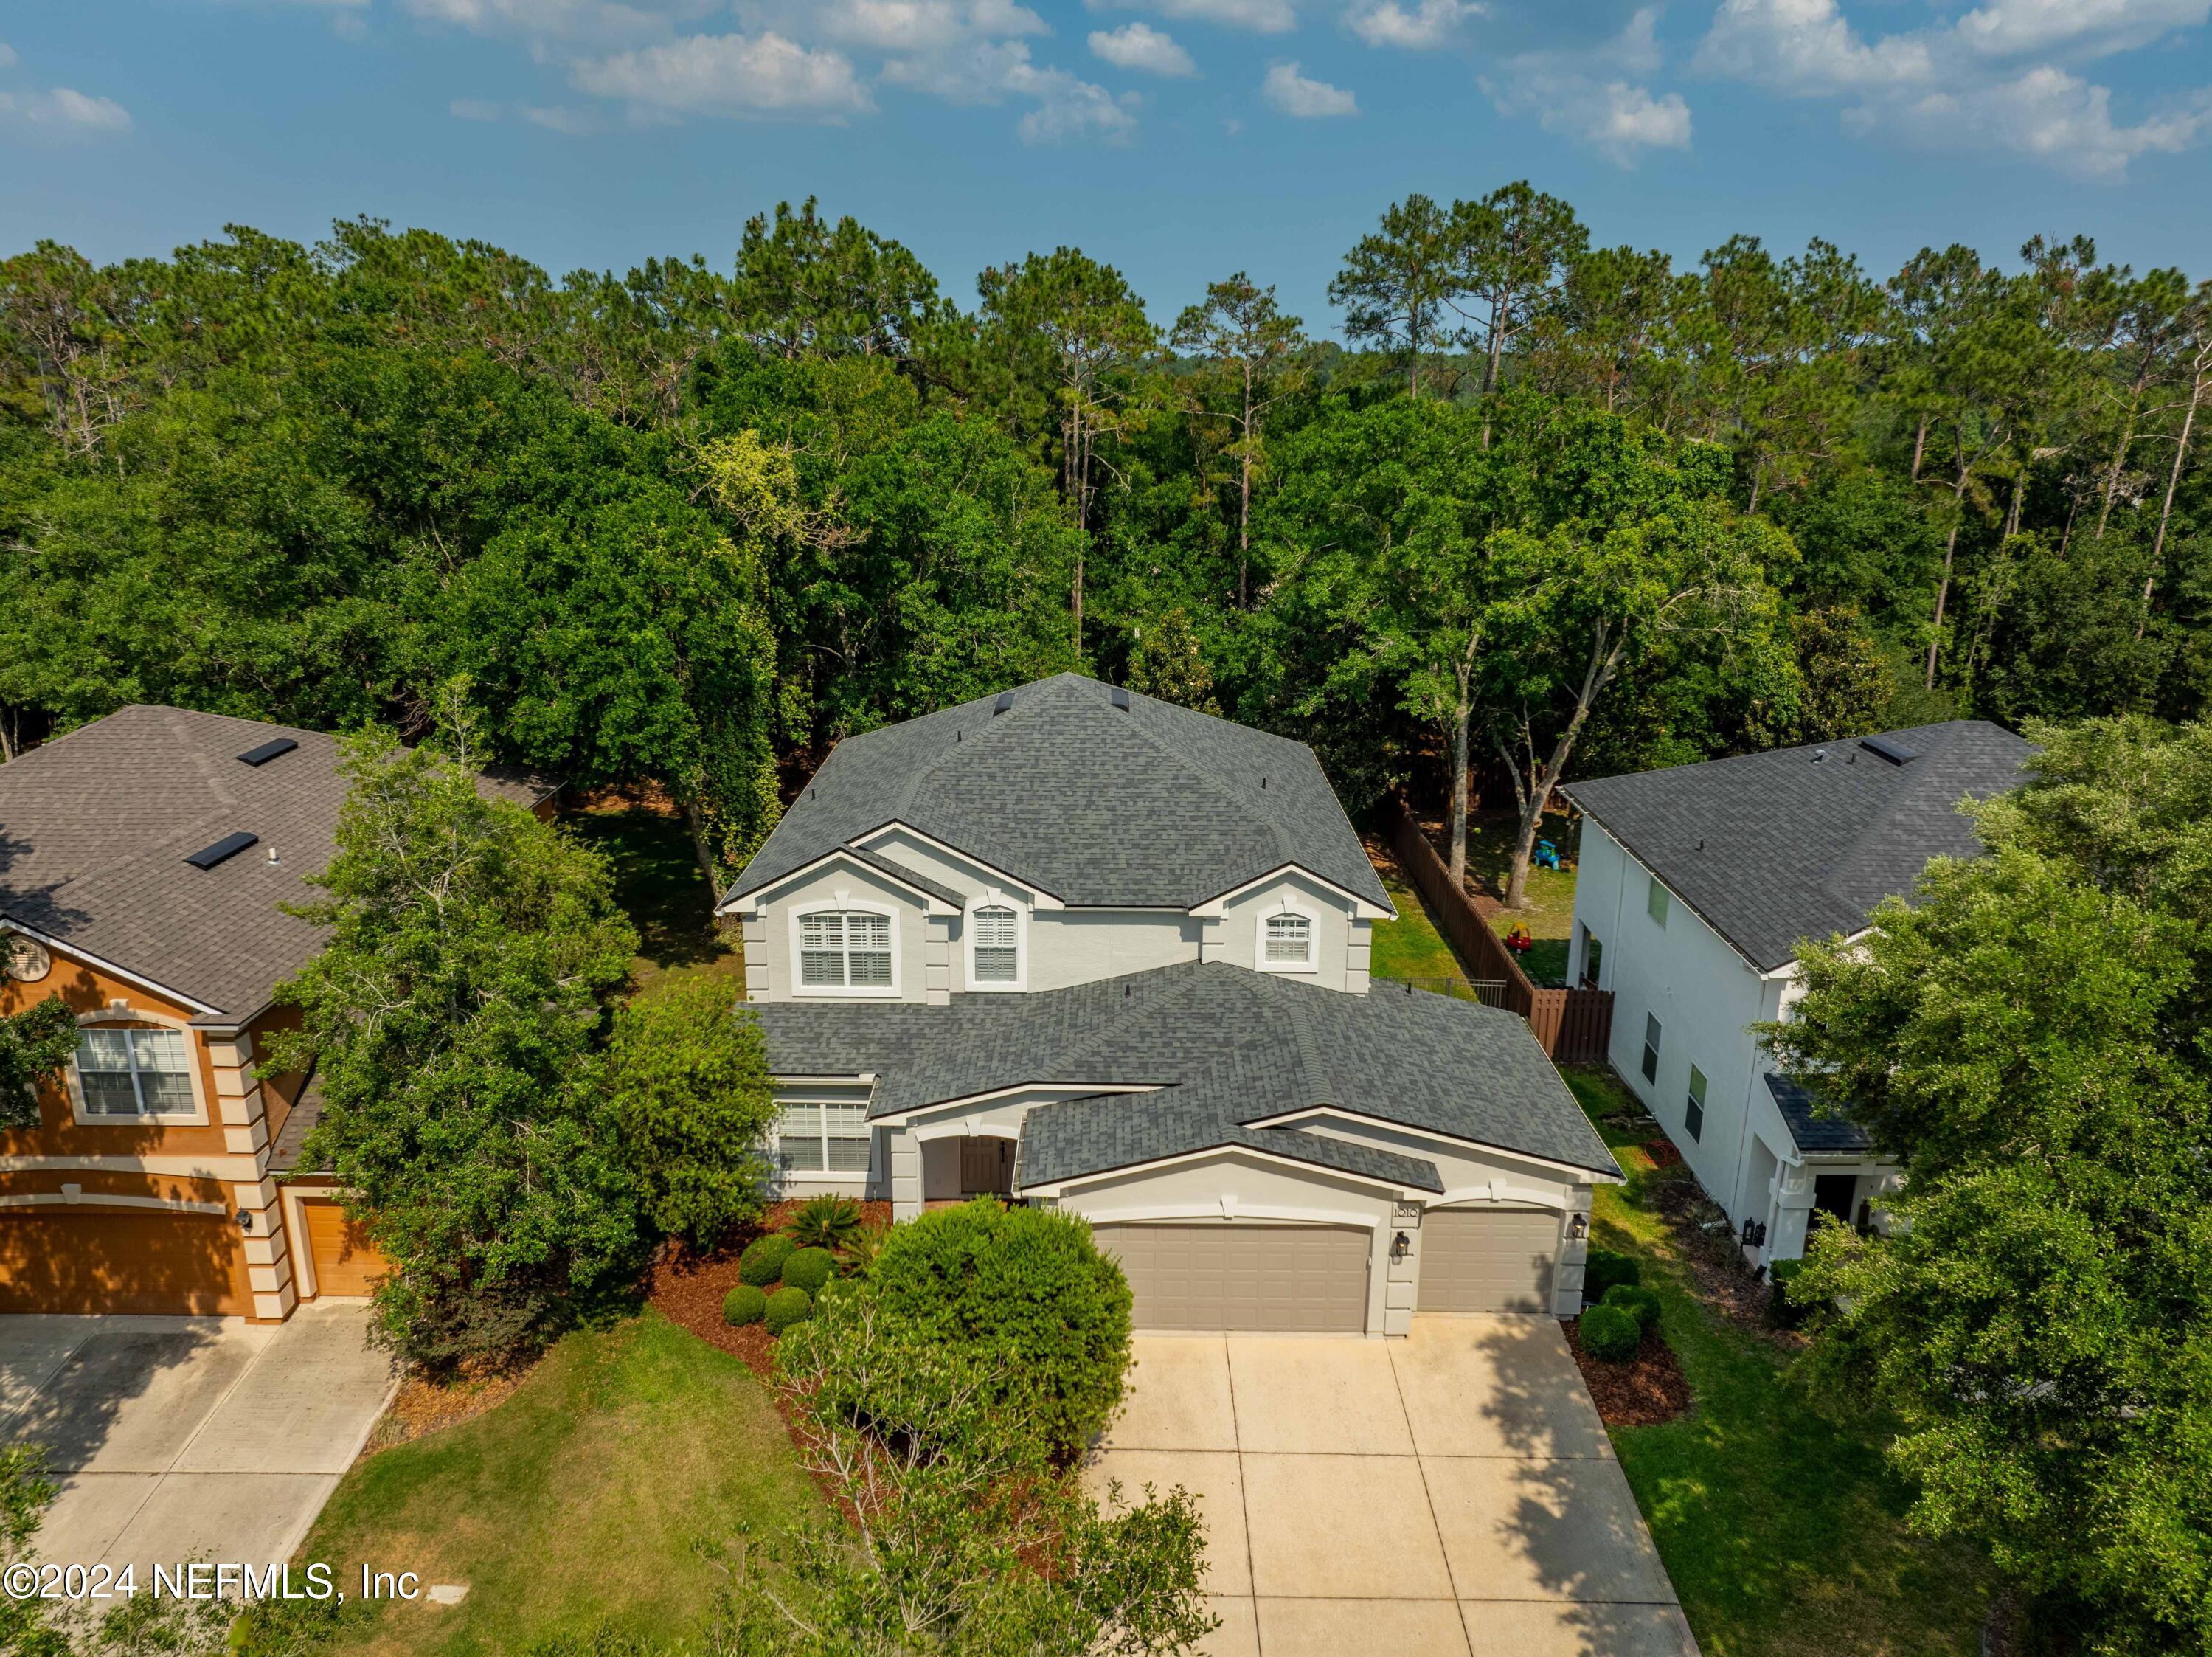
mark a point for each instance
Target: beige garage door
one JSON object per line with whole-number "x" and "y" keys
{"x": 94, "y": 1259}
{"x": 1297, "y": 1279}
{"x": 1488, "y": 1259}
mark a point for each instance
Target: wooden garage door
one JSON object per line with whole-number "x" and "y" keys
{"x": 122, "y": 1260}
{"x": 344, "y": 1261}
{"x": 1488, "y": 1259}
{"x": 1289, "y": 1279}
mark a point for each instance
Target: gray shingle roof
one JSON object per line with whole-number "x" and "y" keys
{"x": 1232, "y": 1047}
{"x": 1812, "y": 1131}
{"x": 1772, "y": 848}
{"x": 1150, "y": 806}
{"x": 96, "y": 827}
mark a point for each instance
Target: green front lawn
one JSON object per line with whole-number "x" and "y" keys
{"x": 1783, "y": 1530}
{"x": 577, "y": 1500}
{"x": 659, "y": 884}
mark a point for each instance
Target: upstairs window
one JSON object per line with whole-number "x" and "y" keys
{"x": 844, "y": 949}
{"x": 997, "y": 944}
{"x": 135, "y": 1073}
{"x": 1655, "y": 902}
{"x": 1650, "y": 1048}
{"x": 1288, "y": 941}
{"x": 1693, "y": 1112}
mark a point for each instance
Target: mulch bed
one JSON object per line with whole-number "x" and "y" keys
{"x": 422, "y": 1407}
{"x": 1714, "y": 1261}
{"x": 689, "y": 1289}
{"x": 1644, "y": 1393}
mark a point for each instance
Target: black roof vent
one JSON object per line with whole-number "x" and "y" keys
{"x": 1005, "y": 701}
{"x": 268, "y": 751}
{"x": 1119, "y": 695}
{"x": 229, "y": 846}
{"x": 1889, "y": 748}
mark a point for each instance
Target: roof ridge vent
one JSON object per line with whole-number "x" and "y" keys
{"x": 229, "y": 846}
{"x": 267, "y": 752}
{"x": 1889, "y": 748}
{"x": 1119, "y": 695}
{"x": 1006, "y": 700}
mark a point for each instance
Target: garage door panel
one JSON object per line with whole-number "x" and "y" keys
{"x": 1489, "y": 1260}
{"x": 1284, "y": 1278}
{"x": 343, "y": 1260}
{"x": 122, "y": 1260}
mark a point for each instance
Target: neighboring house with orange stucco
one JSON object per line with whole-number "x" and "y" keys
{"x": 145, "y": 862}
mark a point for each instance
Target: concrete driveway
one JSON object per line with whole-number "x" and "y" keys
{"x": 183, "y": 1437}
{"x": 1452, "y": 1493}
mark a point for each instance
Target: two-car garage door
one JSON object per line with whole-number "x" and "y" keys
{"x": 1234, "y": 1275}
{"x": 121, "y": 1259}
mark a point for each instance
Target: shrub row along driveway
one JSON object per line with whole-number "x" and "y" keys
{"x": 1450, "y": 1493}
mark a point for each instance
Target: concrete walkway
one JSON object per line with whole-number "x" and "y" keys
{"x": 1453, "y": 1493}
{"x": 183, "y": 1437}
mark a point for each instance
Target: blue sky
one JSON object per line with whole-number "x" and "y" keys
{"x": 1178, "y": 139}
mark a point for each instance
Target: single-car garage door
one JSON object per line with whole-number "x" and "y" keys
{"x": 344, "y": 1261}
{"x": 1488, "y": 1259}
{"x": 1296, "y": 1279}
{"x": 133, "y": 1259}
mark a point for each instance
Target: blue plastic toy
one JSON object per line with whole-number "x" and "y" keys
{"x": 1547, "y": 855}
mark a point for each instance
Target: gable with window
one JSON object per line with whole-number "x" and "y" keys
{"x": 847, "y": 950}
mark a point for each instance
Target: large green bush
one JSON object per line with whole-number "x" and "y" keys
{"x": 1786, "y": 1311}
{"x": 745, "y": 1304}
{"x": 1640, "y": 1303}
{"x": 809, "y": 1269}
{"x": 762, "y": 1262}
{"x": 785, "y": 1307}
{"x": 1604, "y": 1268}
{"x": 1030, "y": 1289}
{"x": 1610, "y": 1333}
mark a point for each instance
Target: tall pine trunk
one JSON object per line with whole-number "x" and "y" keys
{"x": 2172, "y": 483}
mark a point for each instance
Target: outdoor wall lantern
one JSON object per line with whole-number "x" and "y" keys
{"x": 1577, "y": 1227}
{"x": 245, "y": 1221}
{"x": 1399, "y": 1244}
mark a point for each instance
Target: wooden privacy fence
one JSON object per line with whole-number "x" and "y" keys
{"x": 1574, "y": 1026}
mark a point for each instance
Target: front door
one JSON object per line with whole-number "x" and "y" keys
{"x": 987, "y": 1165}
{"x": 1833, "y": 1194}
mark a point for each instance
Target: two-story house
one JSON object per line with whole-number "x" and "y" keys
{"x": 1697, "y": 887}
{"x": 1072, "y": 945}
{"x": 144, "y": 861}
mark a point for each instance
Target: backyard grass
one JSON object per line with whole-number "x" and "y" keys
{"x": 1783, "y": 1530}
{"x": 576, "y": 1503}
{"x": 658, "y": 880}
{"x": 1409, "y": 947}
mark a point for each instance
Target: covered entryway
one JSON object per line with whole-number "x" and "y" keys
{"x": 339, "y": 1251}
{"x": 1488, "y": 1259}
{"x": 1292, "y": 1279}
{"x": 122, "y": 1260}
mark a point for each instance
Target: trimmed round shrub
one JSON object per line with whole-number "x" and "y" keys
{"x": 762, "y": 1262}
{"x": 1638, "y": 1302}
{"x": 1610, "y": 1333}
{"x": 1027, "y": 1290}
{"x": 809, "y": 1269}
{"x": 745, "y": 1304}
{"x": 786, "y": 1307}
{"x": 1604, "y": 1268}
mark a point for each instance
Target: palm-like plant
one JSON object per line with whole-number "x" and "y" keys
{"x": 831, "y": 1222}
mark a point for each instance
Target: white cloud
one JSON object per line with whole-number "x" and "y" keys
{"x": 1069, "y": 109}
{"x": 729, "y": 74}
{"x": 1430, "y": 23}
{"x": 1261, "y": 16}
{"x": 919, "y": 26}
{"x": 1590, "y": 96}
{"x": 558, "y": 118}
{"x": 472, "y": 109}
{"x": 574, "y": 22}
{"x": 1141, "y": 48}
{"x": 63, "y": 112}
{"x": 1294, "y": 94}
{"x": 7, "y": 54}
{"x": 1972, "y": 83}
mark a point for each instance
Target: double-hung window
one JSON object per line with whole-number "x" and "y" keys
{"x": 1656, "y": 901}
{"x": 135, "y": 1072}
{"x": 1650, "y": 1048}
{"x": 844, "y": 949}
{"x": 997, "y": 944}
{"x": 1693, "y": 1112}
{"x": 824, "y": 1139}
{"x": 1288, "y": 941}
